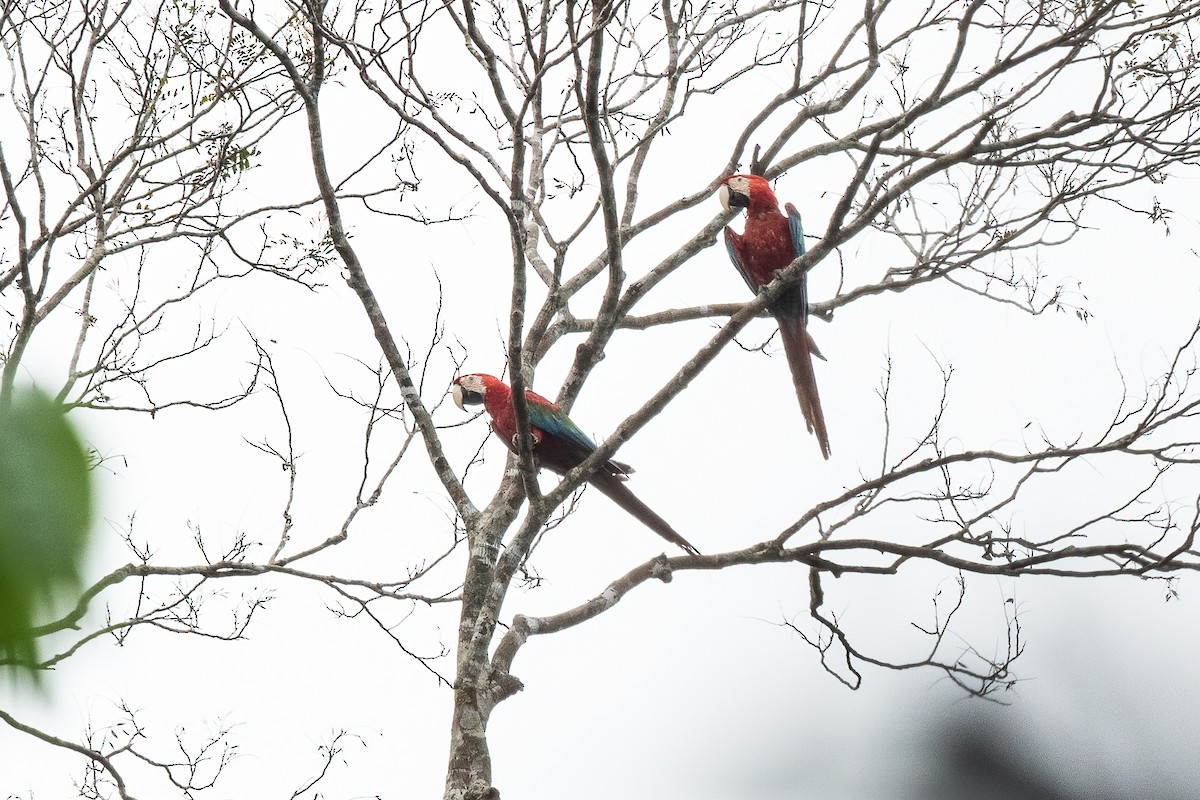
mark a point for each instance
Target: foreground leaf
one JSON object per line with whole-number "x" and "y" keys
{"x": 45, "y": 513}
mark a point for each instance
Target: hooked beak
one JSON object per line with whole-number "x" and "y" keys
{"x": 731, "y": 200}
{"x": 465, "y": 397}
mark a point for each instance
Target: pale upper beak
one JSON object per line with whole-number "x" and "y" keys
{"x": 723, "y": 195}
{"x": 457, "y": 394}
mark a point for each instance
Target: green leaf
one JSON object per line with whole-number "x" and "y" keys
{"x": 45, "y": 515}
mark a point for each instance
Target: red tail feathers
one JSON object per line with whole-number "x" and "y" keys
{"x": 619, "y": 493}
{"x": 797, "y": 347}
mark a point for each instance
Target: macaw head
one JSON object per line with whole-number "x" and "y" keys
{"x": 470, "y": 390}
{"x": 747, "y": 191}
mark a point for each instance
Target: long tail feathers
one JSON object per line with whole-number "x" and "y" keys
{"x": 798, "y": 346}
{"x": 620, "y": 494}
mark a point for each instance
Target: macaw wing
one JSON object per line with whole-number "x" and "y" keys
{"x": 794, "y": 300}
{"x": 732, "y": 240}
{"x": 553, "y": 422}
{"x": 563, "y": 445}
{"x": 797, "y": 229}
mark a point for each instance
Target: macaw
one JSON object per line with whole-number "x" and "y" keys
{"x": 769, "y": 243}
{"x": 559, "y": 444}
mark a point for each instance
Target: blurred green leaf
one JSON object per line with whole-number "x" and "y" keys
{"x": 45, "y": 515}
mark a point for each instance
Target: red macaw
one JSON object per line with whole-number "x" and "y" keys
{"x": 559, "y": 444}
{"x": 769, "y": 243}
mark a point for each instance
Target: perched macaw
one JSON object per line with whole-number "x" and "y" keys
{"x": 558, "y": 444}
{"x": 769, "y": 243}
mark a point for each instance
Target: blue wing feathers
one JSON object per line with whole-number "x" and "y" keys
{"x": 556, "y": 423}
{"x": 797, "y": 229}
{"x": 796, "y": 299}
{"x": 733, "y": 257}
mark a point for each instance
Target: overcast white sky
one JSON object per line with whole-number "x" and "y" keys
{"x": 688, "y": 690}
